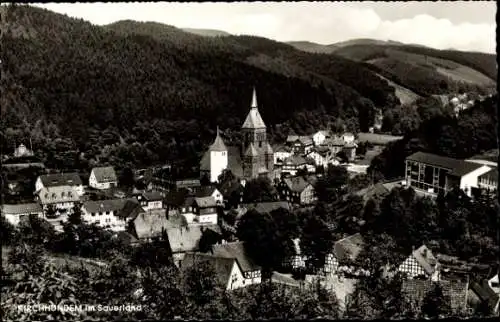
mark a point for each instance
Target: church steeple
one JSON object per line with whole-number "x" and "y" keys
{"x": 254, "y": 99}
{"x": 218, "y": 145}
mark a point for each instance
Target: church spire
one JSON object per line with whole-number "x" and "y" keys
{"x": 254, "y": 99}
{"x": 218, "y": 145}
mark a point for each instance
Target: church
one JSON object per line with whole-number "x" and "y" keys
{"x": 252, "y": 159}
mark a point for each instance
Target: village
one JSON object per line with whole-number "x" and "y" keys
{"x": 183, "y": 210}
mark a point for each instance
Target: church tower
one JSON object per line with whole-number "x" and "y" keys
{"x": 257, "y": 154}
{"x": 218, "y": 157}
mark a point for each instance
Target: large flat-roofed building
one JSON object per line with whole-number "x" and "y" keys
{"x": 433, "y": 173}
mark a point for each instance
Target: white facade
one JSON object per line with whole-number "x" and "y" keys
{"x": 348, "y": 138}
{"x": 100, "y": 185}
{"x": 39, "y": 186}
{"x": 319, "y": 160}
{"x": 218, "y": 163}
{"x": 493, "y": 283}
{"x": 412, "y": 269}
{"x": 219, "y": 198}
{"x": 318, "y": 138}
{"x": 207, "y": 219}
{"x": 470, "y": 180}
{"x": 104, "y": 219}
{"x": 152, "y": 204}
{"x": 279, "y": 156}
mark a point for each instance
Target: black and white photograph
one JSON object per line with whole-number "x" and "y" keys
{"x": 249, "y": 160}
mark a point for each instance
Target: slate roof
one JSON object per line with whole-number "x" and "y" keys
{"x": 306, "y": 140}
{"x": 348, "y": 248}
{"x": 204, "y": 202}
{"x": 416, "y": 289}
{"x": 269, "y": 149}
{"x": 282, "y": 148}
{"x": 296, "y": 160}
{"x": 237, "y": 251}
{"x": 296, "y": 184}
{"x": 267, "y": 207}
{"x": 456, "y": 167}
{"x": 204, "y": 191}
{"x": 176, "y": 198}
{"x": 218, "y": 144}
{"x": 104, "y": 205}
{"x": 151, "y": 224}
{"x": 57, "y": 194}
{"x": 105, "y": 174}
{"x": 253, "y": 120}
{"x": 24, "y": 208}
{"x": 251, "y": 151}
{"x": 185, "y": 239}
{"x": 61, "y": 179}
{"x": 130, "y": 209}
{"x": 222, "y": 266}
{"x": 425, "y": 258}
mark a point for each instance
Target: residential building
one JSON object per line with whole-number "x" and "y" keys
{"x": 103, "y": 178}
{"x": 320, "y": 137}
{"x": 16, "y": 213}
{"x": 22, "y": 151}
{"x": 433, "y": 173}
{"x": 106, "y": 213}
{"x": 342, "y": 259}
{"x": 298, "y": 190}
{"x": 281, "y": 152}
{"x": 251, "y": 271}
{"x": 348, "y": 137}
{"x": 300, "y": 144}
{"x": 60, "y": 179}
{"x": 185, "y": 239}
{"x": 421, "y": 264}
{"x": 254, "y": 158}
{"x": 61, "y": 198}
{"x": 150, "y": 200}
{"x": 335, "y": 144}
{"x": 210, "y": 191}
{"x": 298, "y": 260}
{"x": 200, "y": 210}
{"x": 489, "y": 180}
{"x": 227, "y": 271}
{"x": 295, "y": 163}
{"x": 322, "y": 156}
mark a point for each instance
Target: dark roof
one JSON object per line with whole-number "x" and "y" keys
{"x": 222, "y": 266}
{"x": 204, "y": 191}
{"x": 204, "y": 202}
{"x": 425, "y": 258}
{"x": 24, "y": 208}
{"x": 296, "y": 184}
{"x": 295, "y": 160}
{"x": 105, "y": 174}
{"x": 237, "y": 251}
{"x": 176, "y": 197}
{"x": 152, "y": 195}
{"x": 130, "y": 209}
{"x": 61, "y": 179}
{"x": 234, "y": 161}
{"x": 104, "y": 205}
{"x": 251, "y": 151}
{"x": 456, "y": 167}
{"x": 267, "y": 207}
{"x": 348, "y": 248}
{"x": 218, "y": 144}
{"x": 56, "y": 194}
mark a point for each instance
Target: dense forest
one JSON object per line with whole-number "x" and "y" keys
{"x": 135, "y": 94}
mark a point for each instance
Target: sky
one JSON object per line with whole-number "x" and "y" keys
{"x": 461, "y": 25}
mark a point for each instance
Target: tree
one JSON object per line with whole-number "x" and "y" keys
{"x": 329, "y": 187}
{"x": 7, "y": 231}
{"x": 316, "y": 240}
{"x": 259, "y": 190}
{"x": 75, "y": 217}
{"x": 127, "y": 178}
{"x": 436, "y": 304}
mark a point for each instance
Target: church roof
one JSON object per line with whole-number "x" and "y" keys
{"x": 251, "y": 151}
{"x": 218, "y": 144}
{"x": 253, "y": 120}
{"x": 269, "y": 149}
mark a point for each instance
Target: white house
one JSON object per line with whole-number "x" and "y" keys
{"x": 61, "y": 198}
{"x": 320, "y": 137}
{"x": 22, "y": 151}
{"x": 348, "y": 137}
{"x": 103, "y": 178}
{"x": 60, "y": 179}
{"x": 150, "y": 200}
{"x": 227, "y": 271}
{"x": 281, "y": 153}
{"x": 16, "y": 213}
{"x": 105, "y": 213}
{"x": 421, "y": 263}
{"x": 200, "y": 210}
{"x": 251, "y": 272}
{"x": 209, "y": 191}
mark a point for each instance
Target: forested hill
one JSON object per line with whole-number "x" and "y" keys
{"x": 134, "y": 94}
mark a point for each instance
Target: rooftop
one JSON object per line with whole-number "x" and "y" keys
{"x": 237, "y": 251}
{"x": 104, "y": 174}
{"x": 456, "y": 167}
{"x": 348, "y": 249}
{"x": 222, "y": 266}
{"x": 61, "y": 179}
{"x": 24, "y": 208}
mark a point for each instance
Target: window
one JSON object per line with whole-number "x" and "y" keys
{"x": 107, "y": 212}
{"x": 100, "y": 214}
{"x": 93, "y": 214}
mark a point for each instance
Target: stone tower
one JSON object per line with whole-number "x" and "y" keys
{"x": 257, "y": 154}
{"x": 218, "y": 157}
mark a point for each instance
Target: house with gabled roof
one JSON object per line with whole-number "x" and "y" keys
{"x": 489, "y": 180}
{"x": 227, "y": 271}
{"x": 295, "y": 163}
{"x": 433, "y": 173}
{"x": 250, "y": 270}
{"x": 103, "y": 178}
{"x": 60, "y": 179}
{"x": 150, "y": 200}
{"x": 421, "y": 264}
{"x": 18, "y": 212}
{"x": 107, "y": 213}
{"x": 62, "y": 198}
{"x": 298, "y": 190}
{"x": 342, "y": 259}
{"x": 209, "y": 191}
{"x": 185, "y": 239}
{"x": 300, "y": 144}
{"x": 146, "y": 226}
{"x": 200, "y": 210}
{"x": 320, "y": 137}
{"x": 261, "y": 208}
